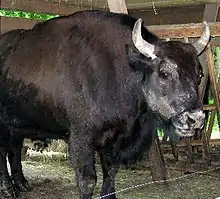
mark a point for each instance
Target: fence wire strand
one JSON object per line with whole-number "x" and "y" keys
{"x": 157, "y": 182}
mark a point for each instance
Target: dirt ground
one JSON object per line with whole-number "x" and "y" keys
{"x": 56, "y": 181}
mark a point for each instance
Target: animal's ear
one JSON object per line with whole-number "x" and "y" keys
{"x": 137, "y": 61}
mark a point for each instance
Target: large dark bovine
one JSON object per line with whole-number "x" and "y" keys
{"x": 102, "y": 80}
{"x": 14, "y": 149}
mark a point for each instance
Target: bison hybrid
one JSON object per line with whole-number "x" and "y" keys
{"x": 100, "y": 80}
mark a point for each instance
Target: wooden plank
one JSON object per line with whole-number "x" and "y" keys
{"x": 209, "y": 107}
{"x": 206, "y": 147}
{"x": 211, "y": 12}
{"x": 215, "y": 41}
{"x": 68, "y": 6}
{"x": 189, "y": 150}
{"x": 163, "y": 31}
{"x": 118, "y": 6}
{"x": 141, "y": 4}
{"x": 211, "y": 66}
{"x": 209, "y": 15}
{"x": 40, "y": 6}
{"x": 193, "y": 143}
{"x": 213, "y": 84}
{"x": 211, "y": 124}
{"x": 184, "y": 30}
{"x": 8, "y": 24}
{"x": 174, "y": 151}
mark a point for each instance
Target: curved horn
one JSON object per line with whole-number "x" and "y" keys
{"x": 201, "y": 43}
{"x": 144, "y": 47}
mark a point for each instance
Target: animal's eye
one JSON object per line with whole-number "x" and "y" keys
{"x": 163, "y": 74}
{"x": 201, "y": 75}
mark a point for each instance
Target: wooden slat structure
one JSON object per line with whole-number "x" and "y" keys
{"x": 99, "y": 4}
{"x": 187, "y": 32}
{"x": 192, "y": 30}
{"x": 193, "y": 143}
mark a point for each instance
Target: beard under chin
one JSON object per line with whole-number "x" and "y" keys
{"x": 176, "y": 134}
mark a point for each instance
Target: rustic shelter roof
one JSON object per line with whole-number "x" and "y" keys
{"x": 74, "y": 5}
{"x": 153, "y": 12}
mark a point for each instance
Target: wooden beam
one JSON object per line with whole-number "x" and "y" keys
{"x": 211, "y": 67}
{"x": 7, "y": 24}
{"x": 193, "y": 143}
{"x": 209, "y": 107}
{"x": 211, "y": 12}
{"x": 163, "y": 31}
{"x": 40, "y": 6}
{"x": 156, "y": 161}
{"x": 143, "y": 4}
{"x": 215, "y": 41}
{"x": 67, "y": 7}
{"x": 184, "y": 30}
{"x": 118, "y": 6}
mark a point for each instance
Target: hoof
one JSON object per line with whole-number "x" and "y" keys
{"x": 7, "y": 191}
{"x": 108, "y": 197}
{"x": 8, "y": 194}
{"x": 22, "y": 184}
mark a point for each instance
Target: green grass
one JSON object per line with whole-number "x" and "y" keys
{"x": 54, "y": 180}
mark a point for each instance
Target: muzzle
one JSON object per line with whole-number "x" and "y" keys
{"x": 187, "y": 123}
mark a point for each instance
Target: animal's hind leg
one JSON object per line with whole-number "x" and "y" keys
{"x": 82, "y": 157}
{"x": 6, "y": 188}
{"x": 14, "y": 157}
{"x": 109, "y": 173}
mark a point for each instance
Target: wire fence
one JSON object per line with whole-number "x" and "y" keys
{"x": 158, "y": 182}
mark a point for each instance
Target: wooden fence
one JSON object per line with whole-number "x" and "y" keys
{"x": 190, "y": 32}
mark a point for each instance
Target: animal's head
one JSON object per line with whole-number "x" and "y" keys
{"x": 172, "y": 74}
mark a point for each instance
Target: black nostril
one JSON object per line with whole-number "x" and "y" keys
{"x": 191, "y": 120}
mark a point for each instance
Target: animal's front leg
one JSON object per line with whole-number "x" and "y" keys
{"x": 14, "y": 156}
{"x": 82, "y": 157}
{"x": 6, "y": 188}
{"x": 109, "y": 173}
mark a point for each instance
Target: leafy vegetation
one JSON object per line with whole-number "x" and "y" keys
{"x": 27, "y": 15}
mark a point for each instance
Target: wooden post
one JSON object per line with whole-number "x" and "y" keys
{"x": 210, "y": 15}
{"x": 174, "y": 151}
{"x": 214, "y": 90}
{"x": 189, "y": 150}
{"x": 118, "y": 6}
{"x": 211, "y": 12}
{"x": 156, "y": 161}
{"x": 211, "y": 123}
